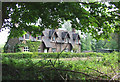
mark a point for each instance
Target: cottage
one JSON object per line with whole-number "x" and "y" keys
{"x": 51, "y": 41}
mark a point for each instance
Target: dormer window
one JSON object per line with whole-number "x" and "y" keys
{"x": 27, "y": 36}
{"x": 52, "y": 35}
{"x": 77, "y": 40}
{"x": 66, "y": 39}
{"x": 62, "y": 39}
{"x": 53, "y": 38}
{"x": 51, "y": 32}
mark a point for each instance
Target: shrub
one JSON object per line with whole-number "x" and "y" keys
{"x": 17, "y": 55}
{"x": 27, "y": 69}
{"x": 54, "y": 55}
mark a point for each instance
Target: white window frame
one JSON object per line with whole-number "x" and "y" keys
{"x": 26, "y": 49}
{"x": 71, "y": 51}
{"x": 39, "y": 49}
{"x": 39, "y": 37}
{"x": 54, "y": 49}
{"x": 25, "y": 37}
{"x": 53, "y": 38}
{"x": 45, "y": 50}
{"x": 21, "y": 38}
{"x": 33, "y": 38}
{"x": 66, "y": 50}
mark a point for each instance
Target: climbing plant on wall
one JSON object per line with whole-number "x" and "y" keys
{"x": 33, "y": 46}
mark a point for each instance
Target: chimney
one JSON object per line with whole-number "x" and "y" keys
{"x": 73, "y": 30}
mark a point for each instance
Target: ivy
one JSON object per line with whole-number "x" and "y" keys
{"x": 33, "y": 46}
{"x": 21, "y": 45}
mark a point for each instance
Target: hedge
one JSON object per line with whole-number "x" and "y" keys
{"x": 51, "y": 55}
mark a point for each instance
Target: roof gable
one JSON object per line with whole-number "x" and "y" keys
{"x": 51, "y": 33}
{"x": 64, "y": 34}
{"x": 75, "y": 35}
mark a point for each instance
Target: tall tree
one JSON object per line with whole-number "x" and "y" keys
{"x": 87, "y": 43}
{"x": 88, "y": 17}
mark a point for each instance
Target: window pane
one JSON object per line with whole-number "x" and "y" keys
{"x": 26, "y": 36}
{"x": 53, "y": 38}
{"x": 26, "y": 49}
{"x": 66, "y": 50}
{"x": 53, "y": 49}
{"x": 39, "y": 50}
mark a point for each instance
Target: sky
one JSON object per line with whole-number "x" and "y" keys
{"x": 3, "y": 36}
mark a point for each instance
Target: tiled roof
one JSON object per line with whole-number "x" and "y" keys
{"x": 51, "y": 33}
{"x": 46, "y": 41}
{"x": 61, "y": 34}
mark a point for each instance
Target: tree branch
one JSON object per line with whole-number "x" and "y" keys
{"x": 99, "y": 72}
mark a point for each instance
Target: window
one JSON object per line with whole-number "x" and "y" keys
{"x": 67, "y": 40}
{"x": 26, "y": 49}
{"x": 45, "y": 50}
{"x": 21, "y": 38}
{"x": 72, "y": 51}
{"x": 62, "y": 39}
{"x": 26, "y": 36}
{"x": 53, "y": 49}
{"x": 33, "y": 39}
{"x": 53, "y": 38}
{"x": 39, "y": 50}
{"x": 66, "y": 50}
{"x": 77, "y": 40}
{"x": 39, "y": 38}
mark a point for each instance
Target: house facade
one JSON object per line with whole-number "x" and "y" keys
{"x": 51, "y": 41}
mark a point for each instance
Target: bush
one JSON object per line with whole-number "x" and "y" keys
{"x": 17, "y": 55}
{"x": 27, "y": 69}
{"x": 53, "y": 55}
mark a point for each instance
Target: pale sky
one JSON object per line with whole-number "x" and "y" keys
{"x": 3, "y": 36}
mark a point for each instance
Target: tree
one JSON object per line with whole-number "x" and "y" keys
{"x": 52, "y": 15}
{"x": 92, "y": 17}
{"x": 87, "y": 43}
{"x": 67, "y": 26}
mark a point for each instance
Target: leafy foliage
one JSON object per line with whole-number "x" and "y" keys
{"x": 27, "y": 69}
{"x": 90, "y": 44}
{"x": 33, "y": 46}
{"x": 51, "y": 55}
{"x": 97, "y": 18}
